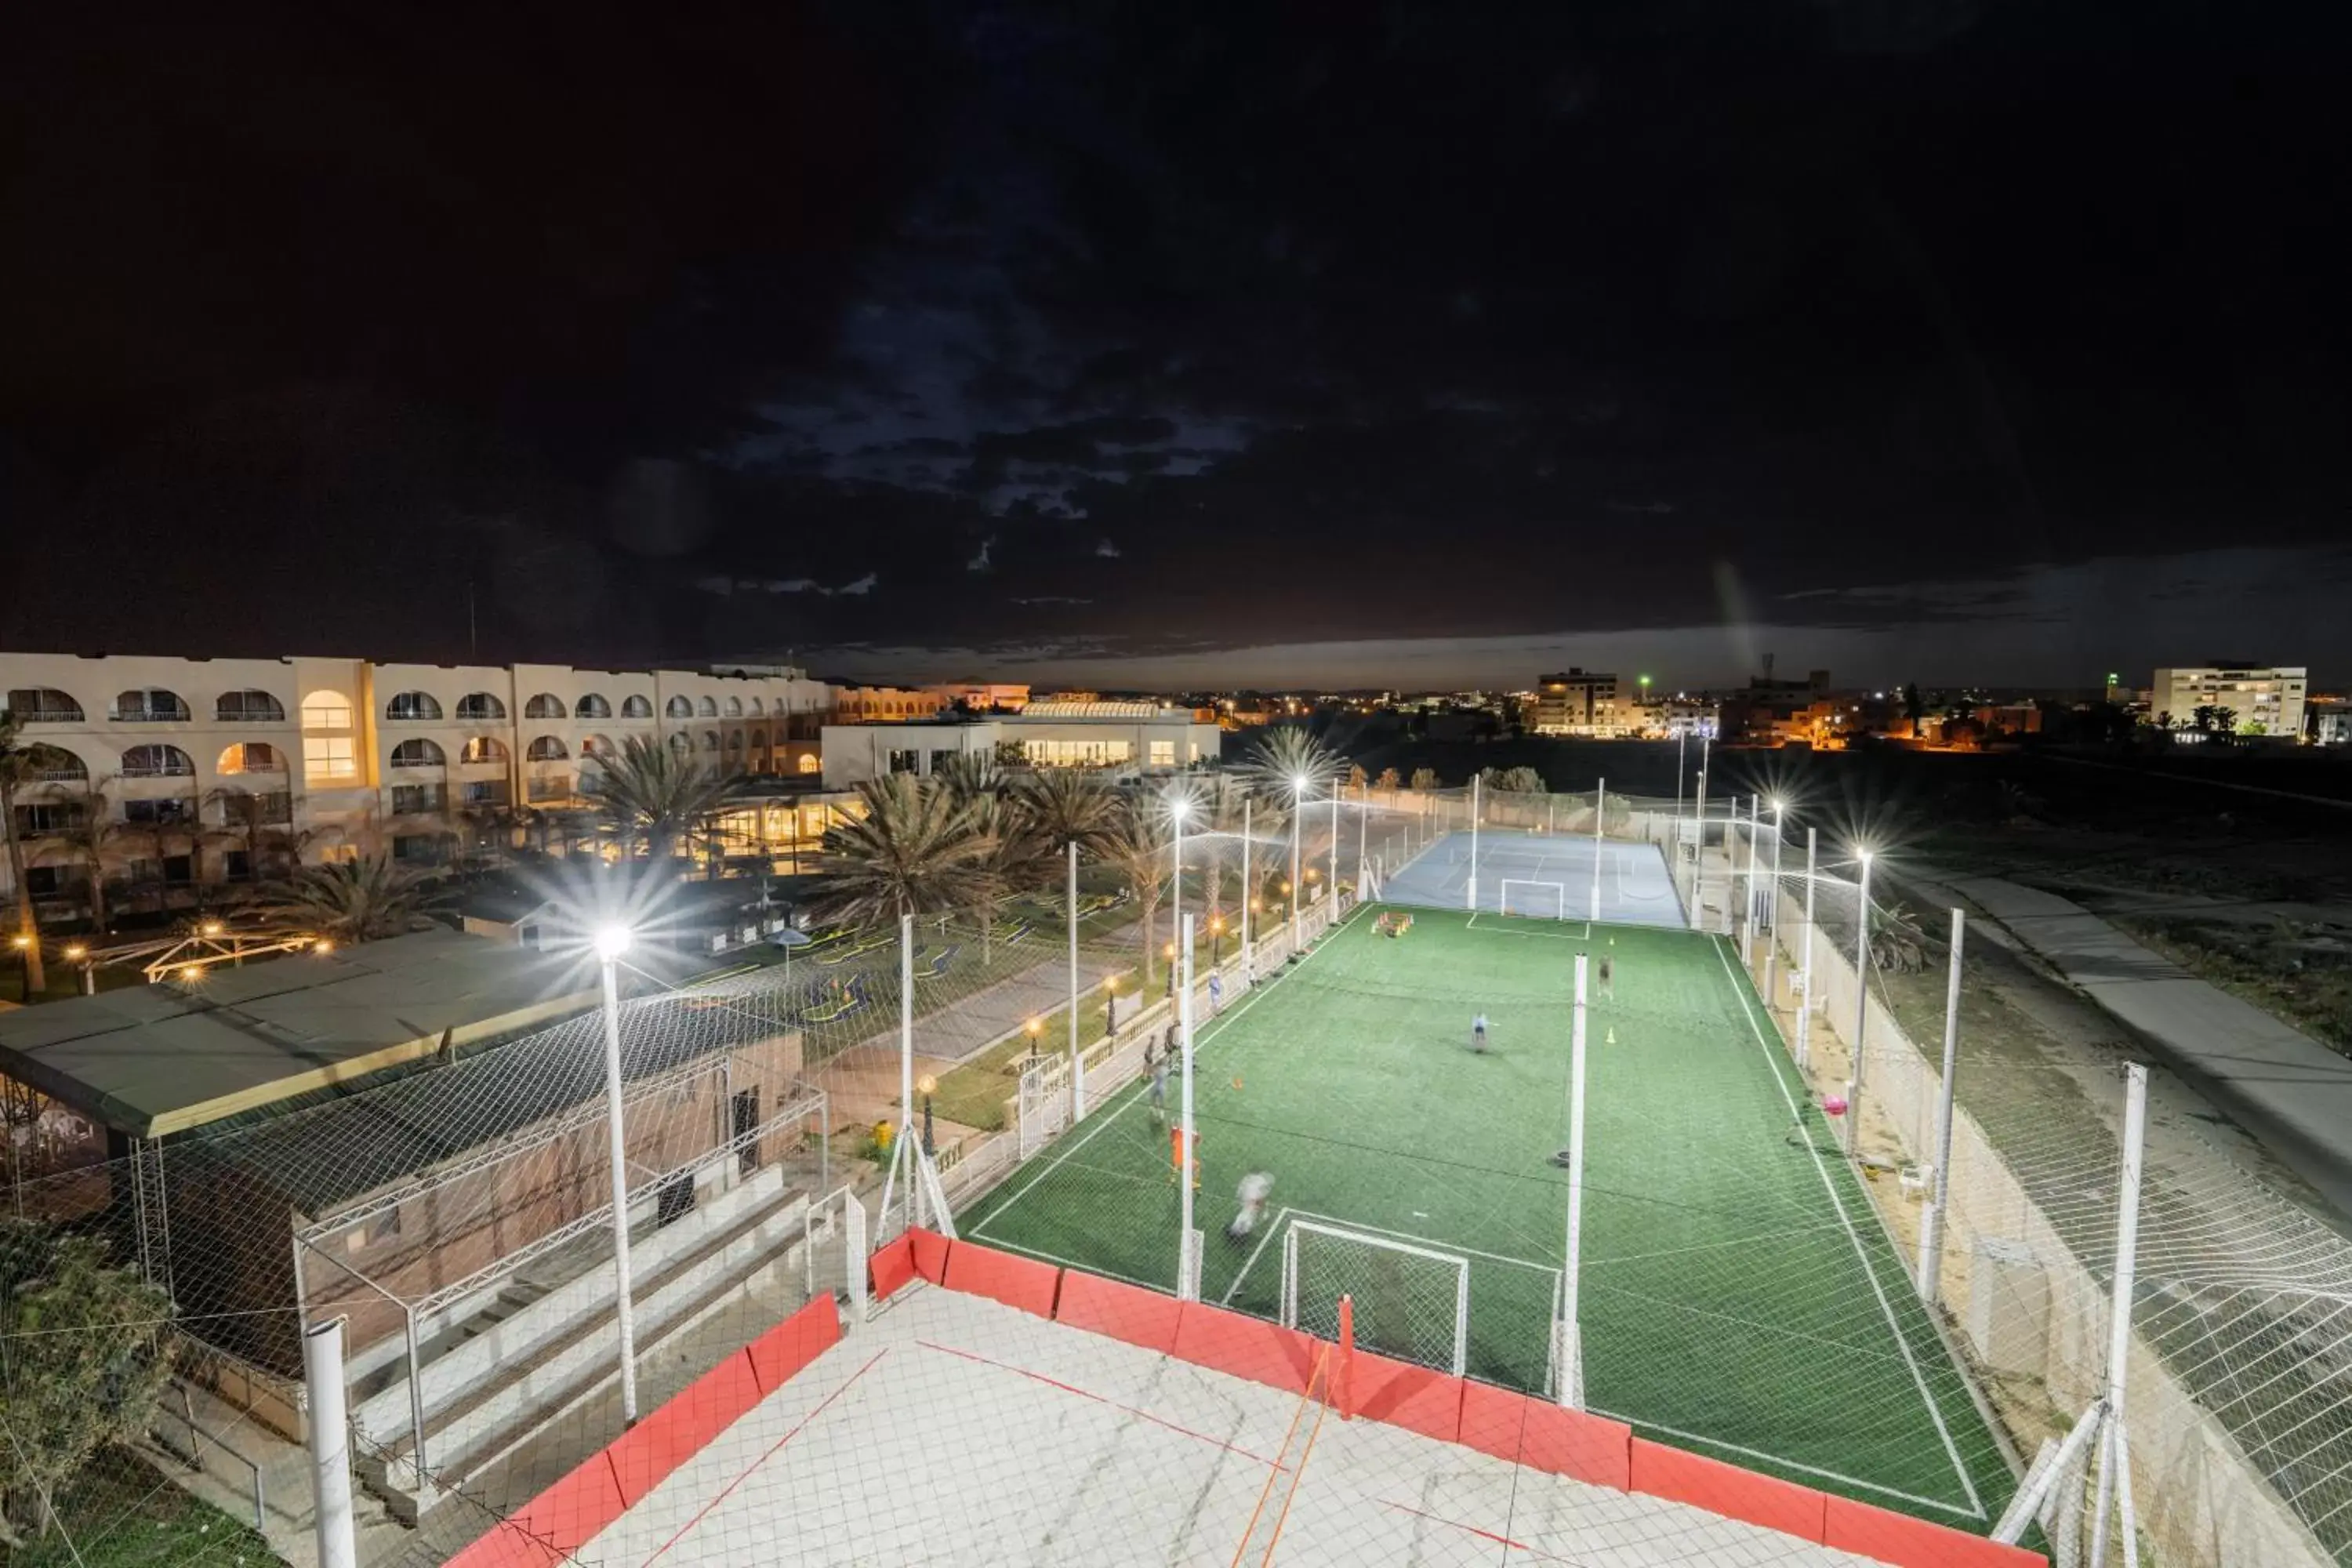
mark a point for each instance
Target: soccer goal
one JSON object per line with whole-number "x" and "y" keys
{"x": 1546, "y": 900}
{"x": 1411, "y": 1303}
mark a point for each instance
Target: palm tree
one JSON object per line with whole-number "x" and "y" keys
{"x": 1285, "y": 754}
{"x": 1424, "y": 779}
{"x": 1216, "y": 817}
{"x": 21, "y": 764}
{"x": 649, "y": 790}
{"x": 1066, "y": 805}
{"x": 1138, "y": 847}
{"x": 913, "y": 851}
{"x": 360, "y": 900}
{"x": 971, "y": 775}
{"x": 1387, "y": 781}
{"x": 1016, "y": 859}
{"x": 90, "y": 830}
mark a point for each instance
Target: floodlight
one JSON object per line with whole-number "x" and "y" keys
{"x": 212, "y": 928}
{"x": 1180, "y": 808}
{"x": 23, "y": 943}
{"x": 927, "y": 1085}
{"x": 76, "y": 954}
{"x": 1299, "y": 782}
{"x": 612, "y": 941}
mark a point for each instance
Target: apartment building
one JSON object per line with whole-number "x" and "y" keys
{"x": 985, "y": 696}
{"x": 1580, "y": 702}
{"x": 180, "y": 772}
{"x": 886, "y": 704}
{"x": 2268, "y": 701}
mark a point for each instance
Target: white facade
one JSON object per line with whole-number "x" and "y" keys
{"x": 2271, "y": 698}
{"x": 1137, "y": 738}
{"x": 1580, "y": 702}
{"x": 339, "y": 756}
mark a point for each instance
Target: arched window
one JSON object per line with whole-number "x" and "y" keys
{"x": 548, "y": 749}
{"x": 483, "y": 749}
{"x": 547, "y": 705}
{"x": 157, "y": 762}
{"x": 326, "y": 710}
{"x": 44, "y": 705}
{"x": 759, "y": 739}
{"x": 55, "y": 764}
{"x": 678, "y": 708}
{"x": 756, "y": 706}
{"x": 707, "y": 708}
{"x": 710, "y": 740}
{"x": 734, "y": 740}
{"x": 480, "y": 705}
{"x": 680, "y": 745}
{"x": 636, "y": 707}
{"x": 248, "y": 707}
{"x": 419, "y": 753}
{"x": 597, "y": 746}
{"x": 592, "y": 706}
{"x": 734, "y": 708}
{"x": 150, "y": 705}
{"x": 250, "y": 757}
{"x": 413, "y": 706}
{"x": 809, "y": 762}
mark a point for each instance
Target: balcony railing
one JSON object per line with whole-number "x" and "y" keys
{"x": 148, "y": 716}
{"x": 51, "y": 715}
{"x": 62, "y": 776}
{"x": 159, "y": 771}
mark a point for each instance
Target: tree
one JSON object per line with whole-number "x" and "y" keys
{"x": 647, "y": 792}
{"x": 1915, "y": 707}
{"x": 1519, "y": 781}
{"x": 1217, "y": 816}
{"x": 914, "y": 850}
{"x": 89, "y": 832}
{"x": 2164, "y": 721}
{"x": 88, "y": 1357}
{"x": 1285, "y": 754}
{"x": 1067, "y": 803}
{"x": 1357, "y": 778}
{"x": 359, "y": 901}
{"x": 2201, "y": 718}
{"x": 1387, "y": 781}
{"x": 1425, "y": 779}
{"x": 1014, "y": 858}
{"x": 2225, "y": 721}
{"x": 1139, "y": 847}
{"x": 22, "y": 763}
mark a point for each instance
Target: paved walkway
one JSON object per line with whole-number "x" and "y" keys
{"x": 2289, "y": 1089}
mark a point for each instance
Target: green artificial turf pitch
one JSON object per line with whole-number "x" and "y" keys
{"x": 1739, "y": 1297}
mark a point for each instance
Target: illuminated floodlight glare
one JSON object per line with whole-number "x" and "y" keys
{"x": 612, "y": 941}
{"x": 1299, "y": 782}
{"x": 1180, "y": 808}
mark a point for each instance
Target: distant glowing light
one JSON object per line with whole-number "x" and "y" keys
{"x": 612, "y": 941}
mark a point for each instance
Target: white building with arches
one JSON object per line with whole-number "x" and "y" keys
{"x": 185, "y": 771}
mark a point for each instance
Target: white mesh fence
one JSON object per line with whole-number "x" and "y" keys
{"x": 2240, "y": 1431}
{"x": 1409, "y": 1302}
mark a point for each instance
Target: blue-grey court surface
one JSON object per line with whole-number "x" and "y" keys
{"x": 1541, "y": 874}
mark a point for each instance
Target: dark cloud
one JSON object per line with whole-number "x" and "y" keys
{"x": 1204, "y": 326}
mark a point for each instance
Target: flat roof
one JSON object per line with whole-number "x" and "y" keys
{"x": 153, "y": 1060}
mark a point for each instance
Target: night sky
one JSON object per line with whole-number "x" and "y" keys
{"x": 1247, "y": 342}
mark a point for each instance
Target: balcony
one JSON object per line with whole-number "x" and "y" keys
{"x": 50, "y": 715}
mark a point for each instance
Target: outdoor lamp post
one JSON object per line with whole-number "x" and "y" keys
{"x": 1297, "y": 809}
{"x": 22, "y": 944}
{"x": 612, "y": 941}
{"x": 1861, "y": 1009}
{"x": 76, "y": 954}
{"x": 1216, "y": 939}
{"x": 927, "y": 1085}
{"x": 1035, "y": 1026}
{"x": 1178, "y": 810}
{"x": 1772, "y": 898}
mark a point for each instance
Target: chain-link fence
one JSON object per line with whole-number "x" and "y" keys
{"x": 2240, "y": 1435}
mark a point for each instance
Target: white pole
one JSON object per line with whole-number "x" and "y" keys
{"x": 1077, "y": 1061}
{"x": 1332, "y": 876}
{"x": 1600, "y": 814}
{"x": 1748, "y": 925}
{"x": 1860, "y": 1012}
{"x": 1680, "y": 736}
{"x": 1298, "y": 811}
{"x": 1699, "y": 849}
{"x": 1571, "y": 1359}
{"x": 906, "y": 1146}
{"x": 331, "y": 1445}
{"x": 1187, "y": 1284}
{"x": 1805, "y": 1003}
{"x": 1363, "y": 819}
{"x": 1931, "y": 1224}
{"x": 1772, "y": 907}
{"x": 1472, "y": 890}
{"x": 619, "y": 1156}
{"x": 1176, "y": 887}
{"x": 2112, "y": 1455}
{"x": 1249, "y": 896}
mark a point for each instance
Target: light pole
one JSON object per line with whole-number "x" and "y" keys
{"x": 77, "y": 954}
{"x": 613, "y": 942}
{"x": 1773, "y": 900}
{"x": 1178, "y": 810}
{"x": 1861, "y": 1010}
{"x": 1332, "y": 881}
{"x": 1297, "y": 810}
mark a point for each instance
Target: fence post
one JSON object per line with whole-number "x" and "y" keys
{"x": 1931, "y": 1224}
{"x": 1077, "y": 1062}
{"x": 2114, "y": 1458}
{"x": 1805, "y": 1003}
{"x": 1600, "y": 814}
{"x": 1571, "y": 1332}
{"x": 1187, "y": 1282}
{"x": 331, "y": 1448}
{"x": 1860, "y": 1011}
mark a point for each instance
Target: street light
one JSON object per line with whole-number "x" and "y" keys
{"x": 927, "y": 1085}
{"x": 612, "y": 941}
{"x": 77, "y": 954}
{"x": 1299, "y": 783}
{"x": 1179, "y": 808}
{"x": 1034, "y": 1026}
{"x": 1861, "y": 1009}
{"x": 1216, "y": 939}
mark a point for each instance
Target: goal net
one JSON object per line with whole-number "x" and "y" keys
{"x": 1411, "y": 1303}
{"x": 1524, "y": 897}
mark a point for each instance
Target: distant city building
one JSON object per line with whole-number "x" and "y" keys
{"x": 2266, "y": 700}
{"x": 1139, "y": 736}
{"x": 1695, "y": 716}
{"x": 2330, "y": 723}
{"x": 1580, "y": 702}
{"x": 1768, "y": 711}
{"x": 885, "y": 705}
{"x": 983, "y": 697}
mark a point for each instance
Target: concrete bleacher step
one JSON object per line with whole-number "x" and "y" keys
{"x": 541, "y": 1368}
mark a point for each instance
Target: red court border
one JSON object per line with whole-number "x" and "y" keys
{"x": 1507, "y": 1424}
